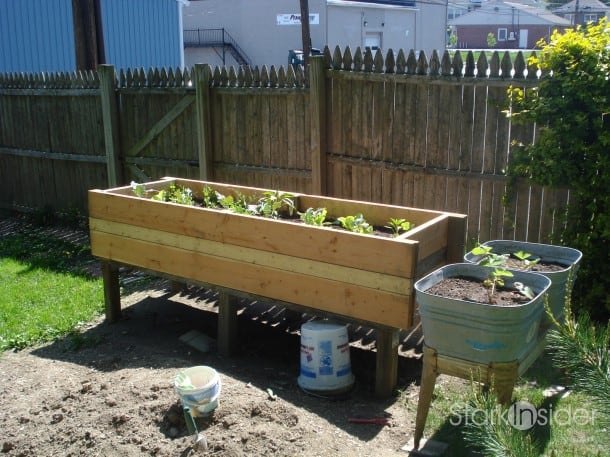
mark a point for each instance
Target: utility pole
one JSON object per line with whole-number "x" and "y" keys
{"x": 88, "y": 34}
{"x": 305, "y": 33}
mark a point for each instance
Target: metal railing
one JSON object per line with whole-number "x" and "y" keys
{"x": 216, "y": 38}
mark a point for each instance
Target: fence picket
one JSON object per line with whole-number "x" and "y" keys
{"x": 438, "y": 139}
{"x": 345, "y": 130}
{"x": 399, "y": 124}
{"x": 386, "y": 120}
{"x": 353, "y": 124}
{"x": 479, "y": 128}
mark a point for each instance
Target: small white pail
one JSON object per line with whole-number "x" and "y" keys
{"x": 325, "y": 358}
{"x": 199, "y": 389}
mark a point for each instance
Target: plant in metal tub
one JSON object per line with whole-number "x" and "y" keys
{"x": 557, "y": 263}
{"x": 480, "y": 332}
{"x": 199, "y": 389}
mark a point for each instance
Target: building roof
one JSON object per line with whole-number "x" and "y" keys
{"x": 499, "y": 12}
{"x": 539, "y": 12}
{"x": 588, "y": 6}
{"x": 395, "y": 4}
{"x": 384, "y": 2}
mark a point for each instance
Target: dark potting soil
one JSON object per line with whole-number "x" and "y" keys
{"x": 539, "y": 267}
{"x": 473, "y": 290}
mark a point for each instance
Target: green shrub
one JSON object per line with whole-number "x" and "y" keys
{"x": 571, "y": 107}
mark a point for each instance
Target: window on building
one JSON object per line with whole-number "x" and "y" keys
{"x": 502, "y": 34}
{"x": 591, "y": 17}
{"x": 455, "y": 12}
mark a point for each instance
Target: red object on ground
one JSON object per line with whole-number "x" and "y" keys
{"x": 372, "y": 420}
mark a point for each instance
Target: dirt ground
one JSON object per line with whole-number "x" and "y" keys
{"x": 114, "y": 394}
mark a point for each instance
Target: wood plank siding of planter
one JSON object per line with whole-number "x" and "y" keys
{"x": 360, "y": 277}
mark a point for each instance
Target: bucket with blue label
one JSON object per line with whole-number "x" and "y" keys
{"x": 325, "y": 358}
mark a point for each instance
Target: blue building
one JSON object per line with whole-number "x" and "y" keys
{"x": 38, "y": 35}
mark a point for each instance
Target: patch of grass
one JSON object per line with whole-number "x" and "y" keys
{"x": 38, "y": 250}
{"x": 575, "y": 428}
{"x": 45, "y": 288}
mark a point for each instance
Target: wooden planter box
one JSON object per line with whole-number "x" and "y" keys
{"x": 362, "y": 277}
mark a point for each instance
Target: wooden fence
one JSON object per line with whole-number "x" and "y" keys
{"x": 395, "y": 128}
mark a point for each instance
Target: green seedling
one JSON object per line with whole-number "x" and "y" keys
{"x": 497, "y": 261}
{"x": 524, "y": 290}
{"x": 139, "y": 190}
{"x": 273, "y": 203}
{"x": 490, "y": 259}
{"x": 211, "y": 197}
{"x": 398, "y": 225}
{"x": 528, "y": 260}
{"x": 315, "y": 217}
{"x": 357, "y": 224}
{"x": 239, "y": 204}
{"x": 175, "y": 194}
{"x": 495, "y": 280}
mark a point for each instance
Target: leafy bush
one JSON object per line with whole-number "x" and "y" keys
{"x": 571, "y": 107}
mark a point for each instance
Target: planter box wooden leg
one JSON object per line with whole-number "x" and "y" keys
{"x": 112, "y": 291}
{"x": 227, "y": 324}
{"x": 386, "y": 373}
{"x": 177, "y": 286}
{"x": 293, "y": 318}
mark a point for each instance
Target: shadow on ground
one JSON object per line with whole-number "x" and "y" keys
{"x": 268, "y": 354}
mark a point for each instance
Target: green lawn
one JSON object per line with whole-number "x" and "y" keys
{"x": 45, "y": 289}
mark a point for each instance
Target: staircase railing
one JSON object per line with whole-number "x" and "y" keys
{"x": 216, "y": 38}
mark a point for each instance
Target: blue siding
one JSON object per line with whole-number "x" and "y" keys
{"x": 142, "y": 33}
{"x": 36, "y": 35}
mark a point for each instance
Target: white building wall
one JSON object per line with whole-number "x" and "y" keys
{"x": 254, "y": 25}
{"x": 358, "y": 27}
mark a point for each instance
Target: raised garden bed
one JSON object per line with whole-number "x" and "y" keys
{"x": 366, "y": 278}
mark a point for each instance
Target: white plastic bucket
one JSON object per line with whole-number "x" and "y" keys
{"x": 199, "y": 389}
{"x": 325, "y": 358}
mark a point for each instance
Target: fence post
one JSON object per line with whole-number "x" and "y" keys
{"x": 203, "y": 76}
{"x": 317, "y": 107}
{"x": 110, "y": 117}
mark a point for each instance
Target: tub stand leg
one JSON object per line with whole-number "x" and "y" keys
{"x": 386, "y": 371}
{"x": 112, "y": 290}
{"x": 426, "y": 389}
{"x": 501, "y": 376}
